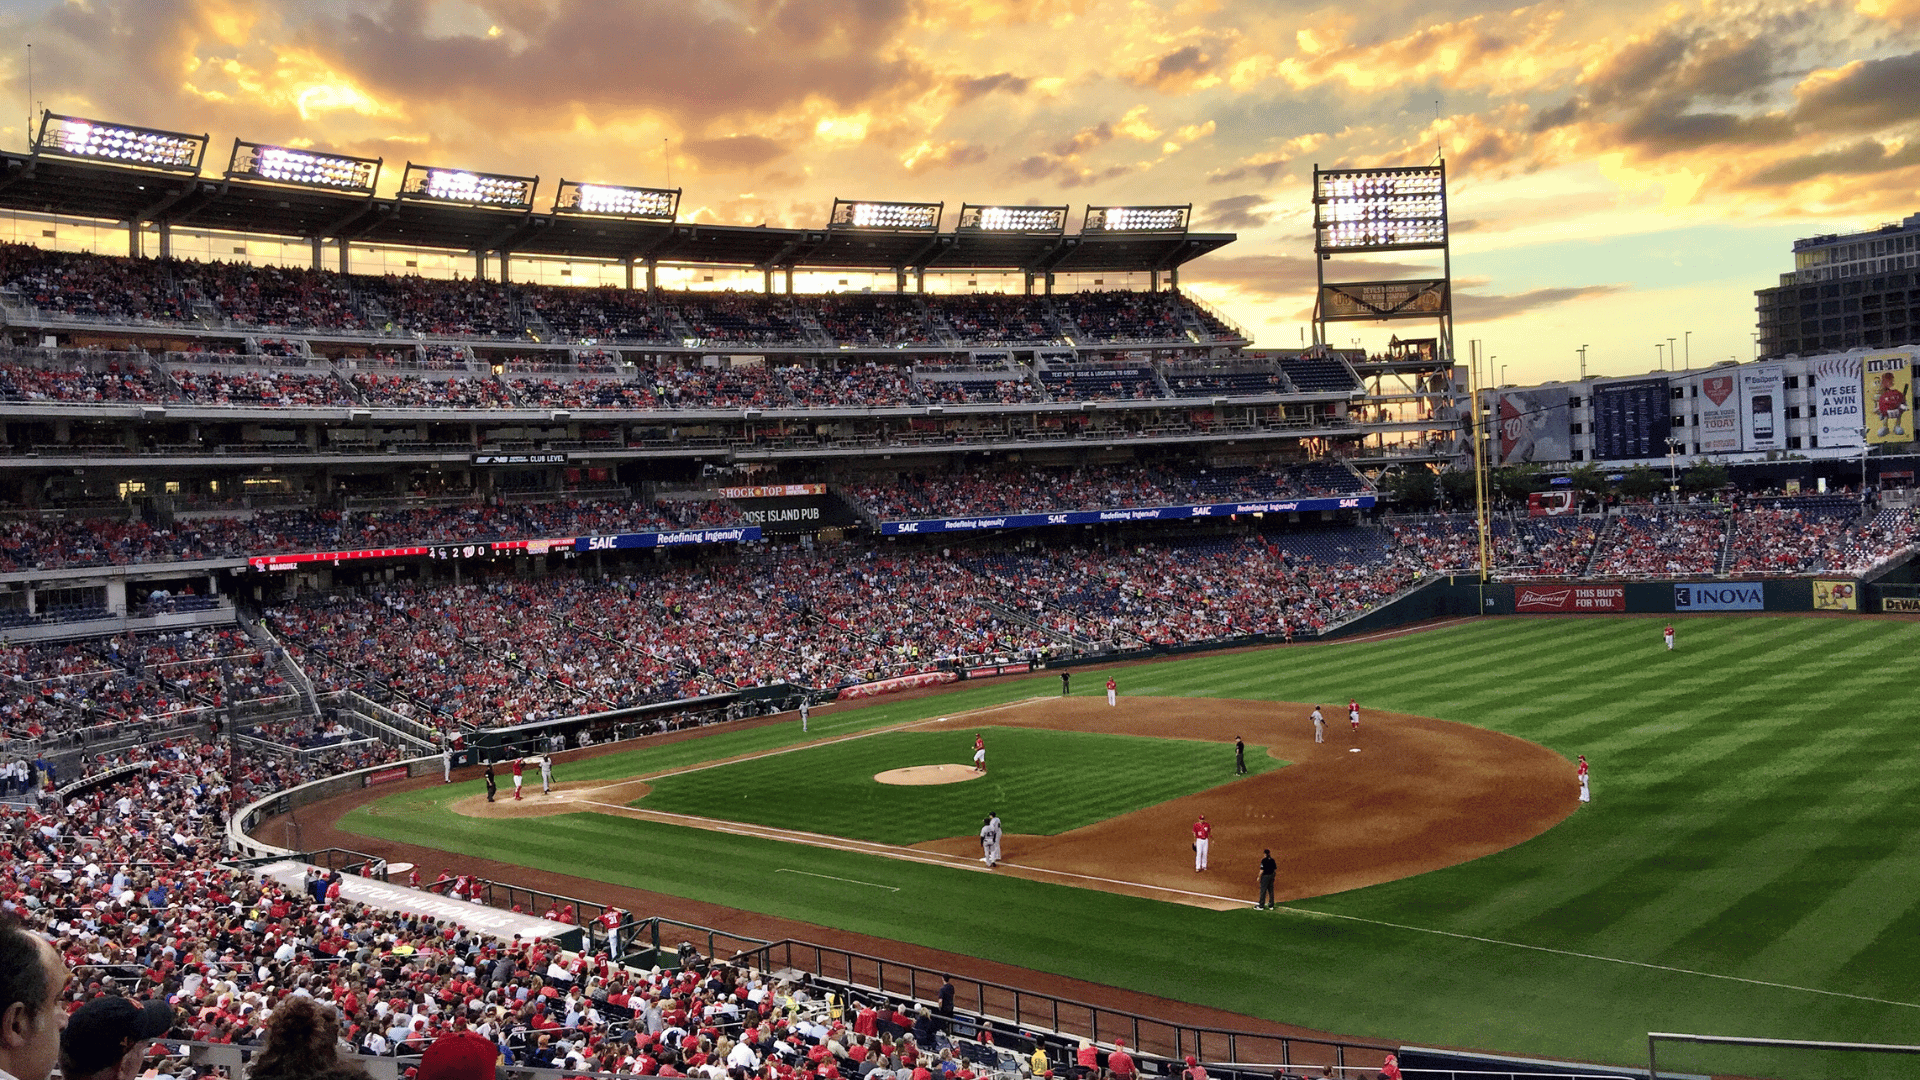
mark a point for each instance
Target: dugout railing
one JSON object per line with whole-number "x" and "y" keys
{"x": 1014, "y": 1011}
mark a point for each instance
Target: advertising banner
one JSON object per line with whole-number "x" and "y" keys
{"x": 1631, "y": 419}
{"x": 1835, "y": 596}
{"x": 1720, "y": 416}
{"x": 746, "y": 534}
{"x": 1575, "y": 598}
{"x": 1902, "y": 605}
{"x": 383, "y": 776}
{"x": 1839, "y": 421}
{"x": 1763, "y": 412}
{"x": 1533, "y": 425}
{"x": 1382, "y": 299}
{"x": 1887, "y": 386}
{"x": 1717, "y": 596}
{"x": 771, "y": 491}
{"x": 1093, "y": 517}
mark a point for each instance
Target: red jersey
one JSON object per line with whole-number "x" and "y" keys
{"x": 1669, "y": 631}
{"x": 979, "y": 742}
{"x": 1202, "y": 829}
{"x": 1111, "y": 685}
{"x": 517, "y": 766}
{"x": 1583, "y": 766}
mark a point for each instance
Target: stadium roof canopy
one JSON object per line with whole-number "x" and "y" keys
{"x": 31, "y": 183}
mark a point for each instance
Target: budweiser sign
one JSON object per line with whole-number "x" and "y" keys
{"x": 1551, "y": 598}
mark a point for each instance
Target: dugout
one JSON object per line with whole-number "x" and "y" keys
{"x": 520, "y": 740}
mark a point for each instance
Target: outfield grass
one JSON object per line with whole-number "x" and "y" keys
{"x": 831, "y": 788}
{"x": 1748, "y": 865}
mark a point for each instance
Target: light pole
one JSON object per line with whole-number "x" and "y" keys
{"x": 1503, "y": 370}
{"x": 1660, "y": 355}
{"x": 1582, "y": 350}
{"x": 1673, "y": 475}
{"x": 1688, "y": 341}
{"x": 1670, "y": 351}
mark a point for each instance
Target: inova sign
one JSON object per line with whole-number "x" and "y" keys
{"x": 1732, "y": 596}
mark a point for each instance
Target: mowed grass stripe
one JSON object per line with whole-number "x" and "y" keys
{"x": 1110, "y": 775}
{"x": 1726, "y": 774}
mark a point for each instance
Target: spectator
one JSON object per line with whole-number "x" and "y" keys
{"x": 32, "y": 979}
{"x": 106, "y": 1038}
{"x": 303, "y": 1043}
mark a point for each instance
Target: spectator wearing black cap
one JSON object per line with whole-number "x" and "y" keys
{"x": 107, "y": 1037}
{"x": 32, "y": 980}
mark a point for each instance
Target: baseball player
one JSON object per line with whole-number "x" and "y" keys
{"x": 804, "y": 709}
{"x": 1585, "y": 794}
{"x": 546, "y": 774}
{"x": 1113, "y": 691}
{"x": 979, "y": 753}
{"x": 990, "y": 833}
{"x": 1889, "y": 402}
{"x": 1202, "y": 835}
{"x": 1066, "y": 679}
{"x": 1353, "y": 713}
{"x": 1239, "y": 756}
{"x": 491, "y": 788}
{"x": 518, "y": 764}
{"x": 1669, "y": 636}
{"x": 446, "y": 764}
{"x": 1319, "y": 726}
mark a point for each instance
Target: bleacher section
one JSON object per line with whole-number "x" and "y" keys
{"x": 1318, "y": 374}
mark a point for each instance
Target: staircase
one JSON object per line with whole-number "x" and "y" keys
{"x": 1599, "y": 542}
{"x": 1724, "y": 565}
{"x": 942, "y": 329}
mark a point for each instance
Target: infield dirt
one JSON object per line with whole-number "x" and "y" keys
{"x": 1419, "y": 794}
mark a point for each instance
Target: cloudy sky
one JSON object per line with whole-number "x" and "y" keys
{"x": 1621, "y": 172}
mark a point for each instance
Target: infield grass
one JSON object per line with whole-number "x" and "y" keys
{"x": 1104, "y": 776}
{"x": 1750, "y": 864}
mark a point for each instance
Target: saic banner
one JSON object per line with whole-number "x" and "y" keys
{"x": 1730, "y": 596}
{"x": 737, "y": 535}
{"x": 1575, "y": 598}
{"x": 1093, "y": 517}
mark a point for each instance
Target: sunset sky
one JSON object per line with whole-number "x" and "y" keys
{"x": 1621, "y": 173}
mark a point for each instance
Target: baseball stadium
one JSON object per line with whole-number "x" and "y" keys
{"x": 760, "y": 683}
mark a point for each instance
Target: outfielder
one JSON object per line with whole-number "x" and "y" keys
{"x": 1202, "y": 835}
{"x": 518, "y": 764}
{"x": 546, "y": 773}
{"x": 1319, "y": 726}
{"x": 1669, "y": 636}
{"x": 1113, "y": 691}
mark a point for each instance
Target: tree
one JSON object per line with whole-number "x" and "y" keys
{"x": 1702, "y": 476}
{"x": 1641, "y": 482}
{"x": 1587, "y": 477}
{"x": 1413, "y": 487}
{"x": 1458, "y": 485}
{"x": 1514, "y": 481}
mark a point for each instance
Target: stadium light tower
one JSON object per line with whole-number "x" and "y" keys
{"x": 122, "y": 144}
{"x": 610, "y": 200}
{"x": 895, "y": 216}
{"x": 1029, "y": 220}
{"x": 304, "y": 168}
{"x": 1137, "y": 219}
{"x": 433, "y": 184}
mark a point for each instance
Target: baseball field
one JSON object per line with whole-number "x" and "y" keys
{"x": 1747, "y": 867}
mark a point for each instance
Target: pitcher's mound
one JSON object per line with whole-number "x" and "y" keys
{"x": 918, "y": 775}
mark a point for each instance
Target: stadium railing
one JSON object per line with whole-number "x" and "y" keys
{"x": 1030, "y": 1010}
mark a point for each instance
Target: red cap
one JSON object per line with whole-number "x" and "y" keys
{"x": 463, "y": 1055}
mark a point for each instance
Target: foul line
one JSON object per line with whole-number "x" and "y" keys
{"x": 1592, "y": 956}
{"x": 830, "y": 877}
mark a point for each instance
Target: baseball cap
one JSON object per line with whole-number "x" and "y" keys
{"x": 98, "y": 1033}
{"x": 462, "y": 1055}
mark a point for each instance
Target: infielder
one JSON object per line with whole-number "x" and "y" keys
{"x": 1113, "y": 691}
{"x": 979, "y": 753}
{"x": 1353, "y": 713}
{"x": 1669, "y": 636}
{"x": 518, "y": 764}
{"x": 546, "y": 773}
{"x": 1585, "y": 794}
{"x": 803, "y": 715}
{"x": 1319, "y": 726}
{"x": 1202, "y": 835}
